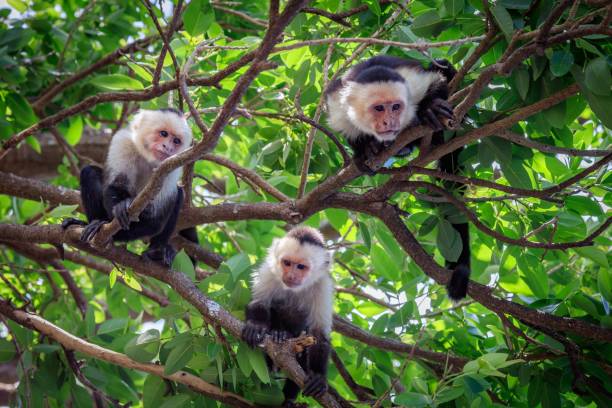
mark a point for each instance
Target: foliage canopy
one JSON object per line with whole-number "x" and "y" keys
{"x": 536, "y": 92}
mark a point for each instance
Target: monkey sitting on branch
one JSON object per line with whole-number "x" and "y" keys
{"x": 293, "y": 293}
{"x": 133, "y": 155}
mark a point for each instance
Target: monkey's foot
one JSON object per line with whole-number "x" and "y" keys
{"x": 315, "y": 385}
{"x": 120, "y": 212}
{"x": 279, "y": 336}
{"x": 69, "y": 222}
{"x": 91, "y": 229}
{"x": 163, "y": 254}
{"x": 253, "y": 334}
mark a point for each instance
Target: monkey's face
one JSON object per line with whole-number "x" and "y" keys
{"x": 299, "y": 265}
{"x": 379, "y": 108}
{"x": 294, "y": 270}
{"x": 159, "y": 135}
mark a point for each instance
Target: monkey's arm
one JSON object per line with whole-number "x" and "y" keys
{"x": 257, "y": 323}
{"x": 117, "y": 200}
{"x": 365, "y": 148}
{"x": 318, "y": 357}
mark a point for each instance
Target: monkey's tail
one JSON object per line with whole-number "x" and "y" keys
{"x": 458, "y": 284}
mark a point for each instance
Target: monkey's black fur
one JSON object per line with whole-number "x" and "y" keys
{"x": 103, "y": 203}
{"x": 283, "y": 320}
{"x": 429, "y": 108}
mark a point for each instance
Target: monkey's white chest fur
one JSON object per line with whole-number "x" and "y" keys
{"x": 124, "y": 161}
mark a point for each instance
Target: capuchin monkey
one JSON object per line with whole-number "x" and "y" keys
{"x": 293, "y": 292}
{"x": 134, "y": 153}
{"x": 378, "y": 98}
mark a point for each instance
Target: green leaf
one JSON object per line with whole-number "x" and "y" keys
{"x": 428, "y": 225}
{"x": 383, "y": 264}
{"x": 336, "y": 217}
{"x": 144, "y": 347}
{"x": 534, "y": 275}
{"x": 269, "y": 396}
{"x": 237, "y": 264}
{"x": 131, "y": 281}
{"x": 34, "y": 144}
{"x": 242, "y": 357}
{"x": 21, "y": 109}
{"x": 516, "y": 4}
{"x": 426, "y": 24}
{"x": 153, "y": 391}
{"x": 454, "y": 7}
{"x": 177, "y": 401}
{"x": 116, "y": 82}
{"x": 75, "y": 130}
{"x": 178, "y": 357}
{"x": 600, "y": 104}
{"x": 7, "y": 350}
{"x": 504, "y": 20}
{"x": 594, "y": 254}
{"x": 583, "y": 205}
{"x": 516, "y": 174}
{"x": 90, "y": 321}
{"x": 561, "y": 62}
{"x": 19, "y": 5}
{"x": 258, "y": 362}
{"x": 141, "y": 71}
{"x": 412, "y": 399}
{"x": 522, "y": 81}
{"x": 182, "y": 263}
{"x": 112, "y": 325}
{"x": 112, "y": 277}
{"x": 604, "y": 283}
{"x": 373, "y": 6}
{"x": 598, "y": 78}
{"x": 198, "y": 16}
{"x": 448, "y": 241}
{"x": 63, "y": 210}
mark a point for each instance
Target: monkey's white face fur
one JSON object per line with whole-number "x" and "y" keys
{"x": 158, "y": 135}
{"x": 297, "y": 266}
{"x": 380, "y": 109}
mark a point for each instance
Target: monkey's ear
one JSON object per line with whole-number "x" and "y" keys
{"x": 137, "y": 120}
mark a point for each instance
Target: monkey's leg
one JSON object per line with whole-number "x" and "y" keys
{"x": 290, "y": 391}
{"x": 91, "y": 181}
{"x": 160, "y": 250}
{"x": 318, "y": 356}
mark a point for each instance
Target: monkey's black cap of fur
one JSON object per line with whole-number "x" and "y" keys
{"x": 172, "y": 110}
{"x": 378, "y": 74}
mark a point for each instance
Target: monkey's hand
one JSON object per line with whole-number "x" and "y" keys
{"x": 431, "y": 113}
{"x": 253, "y": 334}
{"x": 91, "y": 230}
{"x": 120, "y": 212}
{"x": 315, "y": 385}
{"x": 162, "y": 253}
{"x": 279, "y": 336}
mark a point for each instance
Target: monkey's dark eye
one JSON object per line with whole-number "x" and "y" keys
{"x": 396, "y": 106}
{"x": 163, "y": 133}
{"x": 286, "y": 262}
{"x": 177, "y": 141}
{"x": 379, "y": 108}
{"x": 301, "y": 266}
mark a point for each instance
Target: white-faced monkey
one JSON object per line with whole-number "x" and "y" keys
{"x": 292, "y": 293}
{"x": 378, "y": 98}
{"x": 134, "y": 153}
